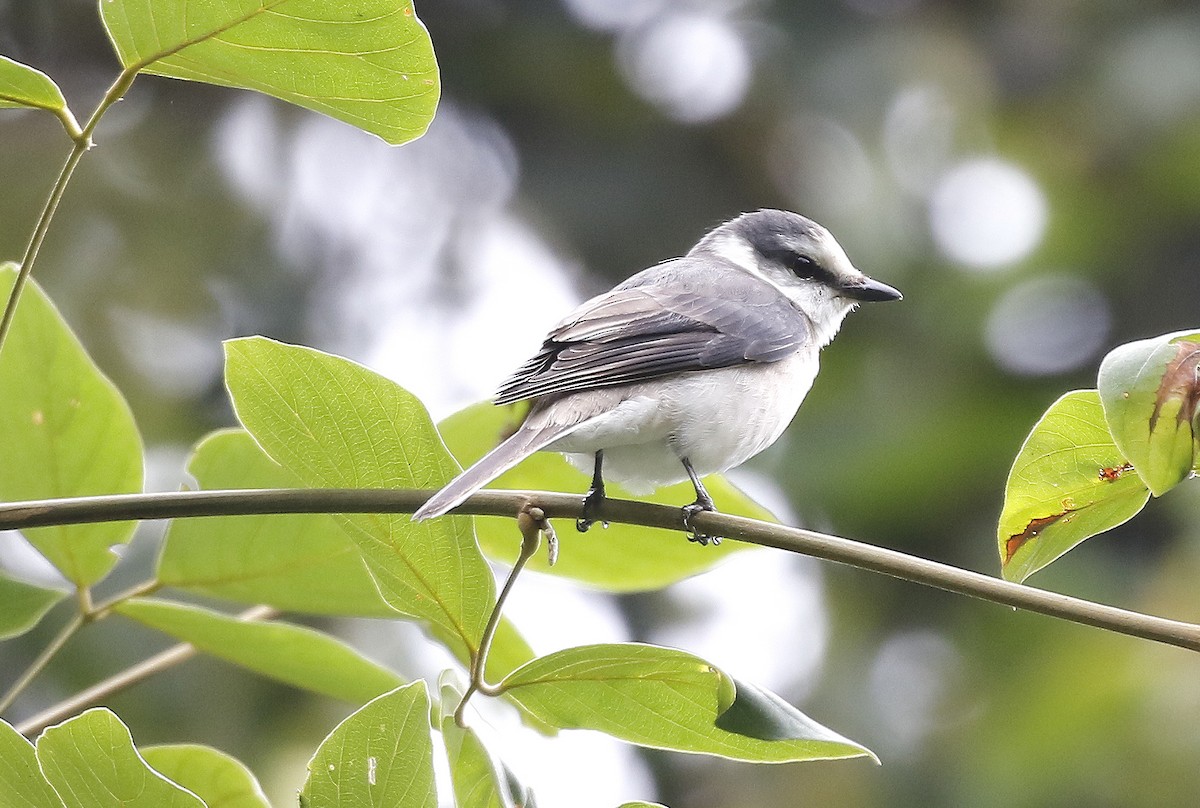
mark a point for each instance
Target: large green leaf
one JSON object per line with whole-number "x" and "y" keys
{"x": 215, "y": 777}
{"x": 379, "y": 757}
{"x": 296, "y": 562}
{"x": 369, "y": 63}
{"x": 622, "y": 558}
{"x": 1151, "y": 392}
{"x": 21, "y": 782}
{"x": 335, "y": 424}
{"x": 65, "y": 431}
{"x": 91, "y": 762}
{"x": 22, "y": 605}
{"x": 1068, "y": 483}
{"x": 668, "y": 699}
{"x": 293, "y": 654}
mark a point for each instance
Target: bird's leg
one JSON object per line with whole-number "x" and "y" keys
{"x": 593, "y": 498}
{"x": 703, "y": 503}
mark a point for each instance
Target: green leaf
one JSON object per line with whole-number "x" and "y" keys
{"x": 298, "y": 656}
{"x": 1151, "y": 393}
{"x": 90, "y": 760}
{"x": 379, "y": 757}
{"x": 640, "y": 804}
{"x": 622, "y": 558}
{"x": 21, "y": 782}
{"x": 477, "y": 779}
{"x": 65, "y": 431}
{"x": 22, "y": 86}
{"x": 294, "y": 562}
{"x": 668, "y": 699}
{"x": 22, "y": 605}
{"x": 335, "y": 424}
{"x": 215, "y": 777}
{"x": 1068, "y": 483}
{"x": 368, "y": 63}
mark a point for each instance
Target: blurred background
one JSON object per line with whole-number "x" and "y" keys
{"x": 1027, "y": 172}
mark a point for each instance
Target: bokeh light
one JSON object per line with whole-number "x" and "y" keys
{"x": 987, "y": 213}
{"x": 821, "y": 167}
{"x": 613, "y": 15}
{"x": 1049, "y": 324}
{"x": 694, "y": 66}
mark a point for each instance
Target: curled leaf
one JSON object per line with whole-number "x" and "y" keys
{"x": 1151, "y": 392}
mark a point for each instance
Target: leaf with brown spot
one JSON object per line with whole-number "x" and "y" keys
{"x": 1068, "y": 483}
{"x": 1151, "y": 391}
{"x": 1031, "y": 531}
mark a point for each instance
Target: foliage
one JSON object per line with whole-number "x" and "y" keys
{"x": 1094, "y": 459}
{"x": 312, "y": 419}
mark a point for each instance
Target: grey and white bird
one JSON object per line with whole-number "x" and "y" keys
{"x": 688, "y": 368}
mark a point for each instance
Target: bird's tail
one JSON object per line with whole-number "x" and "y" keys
{"x": 523, "y": 443}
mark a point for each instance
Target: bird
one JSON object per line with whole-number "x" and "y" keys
{"x": 688, "y": 368}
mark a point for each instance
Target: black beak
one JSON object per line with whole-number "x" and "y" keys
{"x": 871, "y": 291}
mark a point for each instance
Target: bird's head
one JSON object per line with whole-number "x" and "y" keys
{"x": 802, "y": 260}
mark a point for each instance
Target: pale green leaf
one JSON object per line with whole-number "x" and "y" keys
{"x": 668, "y": 699}
{"x": 379, "y": 757}
{"x": 640, "y": 804}
{"x": 23, "y": 86}
{"x": 22, "y": 605}
{"x": 295, "y": 655}
{"x": 621, "y": 558}
{"x": 65, "y": 431}
{"x": 369, "y": 63}
{"x": 92, "y": 763}
{"x": 213, "y": 776}
{"x": 1068, "y": 483}
{"x": 335, "y": 424}
{"x": 21, "y": 782}
{"x": 1151, "y": 390}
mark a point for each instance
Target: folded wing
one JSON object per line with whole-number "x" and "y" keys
{"x": 642, "y": 331}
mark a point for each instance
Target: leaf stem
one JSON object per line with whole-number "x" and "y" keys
{"x": 531, "y": 521}
{"x": 83, "y": 142}
{"x": 125, "y": 507}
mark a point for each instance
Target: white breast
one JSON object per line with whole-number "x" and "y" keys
{"x": 717, "y": 419}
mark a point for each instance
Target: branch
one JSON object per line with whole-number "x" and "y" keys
{"x": 127, "y": 507}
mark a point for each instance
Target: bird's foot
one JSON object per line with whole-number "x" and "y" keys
{"x": 591, "y": 510}
{"x": 701, "y": 505}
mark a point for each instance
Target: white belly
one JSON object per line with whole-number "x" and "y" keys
{"x": 716, "y": 419}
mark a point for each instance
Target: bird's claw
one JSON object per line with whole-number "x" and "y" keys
{"x": 689, "y": 513}
{"x": 591, "y": 508}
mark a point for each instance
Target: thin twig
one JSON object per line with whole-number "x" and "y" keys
{"x": 38, "y": 665}
{"x": 505, "y": 503}
{"x": 83, "y": 141}
{"x": 100, "y": 691}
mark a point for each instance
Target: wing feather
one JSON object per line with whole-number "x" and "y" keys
{"x": 670, "y": 319}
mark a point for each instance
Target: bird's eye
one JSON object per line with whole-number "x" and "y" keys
{"x": 804, "y": 267}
